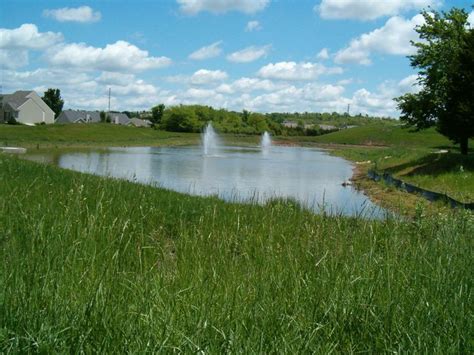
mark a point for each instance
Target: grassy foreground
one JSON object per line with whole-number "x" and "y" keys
{"x": 98, "y": 265}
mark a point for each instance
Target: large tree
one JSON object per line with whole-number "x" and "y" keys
{"x": 52, "y": 97}
{"x": 157, "y": 114}
{"x": 444, "y": 59}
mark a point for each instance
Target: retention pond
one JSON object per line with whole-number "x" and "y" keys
{"x": 307, "y": 175}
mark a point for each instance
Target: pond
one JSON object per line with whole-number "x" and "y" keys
{"x": 244, "y": 174}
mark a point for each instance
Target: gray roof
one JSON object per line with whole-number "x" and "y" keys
{"x": 119, "y": 118}
{"x": 137, "y": 122}
{"x": 76, "y": 116}
{"x": 16, "y": 99}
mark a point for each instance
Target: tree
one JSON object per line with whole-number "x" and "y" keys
{"x": 445, "y": 62}
{"x": 52, "y": 98}
{"x": 157, "y": 114}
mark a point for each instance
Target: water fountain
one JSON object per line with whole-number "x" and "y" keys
{"x": 210, "y": 141}
{"x": 266, "y": 141}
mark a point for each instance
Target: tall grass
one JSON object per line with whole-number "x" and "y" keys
{"x": 99, "y": 265}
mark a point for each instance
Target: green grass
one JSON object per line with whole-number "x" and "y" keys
{"x": 382, "y": 134}
{"x": 89, "y": 264}
{"x": 96, "y": 135}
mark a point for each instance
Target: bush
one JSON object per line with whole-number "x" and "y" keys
{"x": 12, "y": 121}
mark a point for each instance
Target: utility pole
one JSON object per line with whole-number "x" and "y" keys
{"x": 109, "y": 99}
{"x": 348, "y": 109}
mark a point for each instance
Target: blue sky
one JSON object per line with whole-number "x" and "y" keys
{"x": 259, "y": 55}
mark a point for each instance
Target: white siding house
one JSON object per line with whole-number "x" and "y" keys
{"x": 25, "y": 107}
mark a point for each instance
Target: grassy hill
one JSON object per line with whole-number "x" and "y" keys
{"x": 382, "y": 134}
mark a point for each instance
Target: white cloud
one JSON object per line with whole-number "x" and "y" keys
{"x": 84, "y": 91}
{"x": 206, "y": 52}
{"x": 82, "y": 14}
{"x": 248, "y": 85}
{"x": 323, "y": 54}
{"x": 115, "y": 78}
{"x": 296, "y": 71}
{"x": 204, "y": 76}
{"x": 249, "y": 54}
{"x": 193, "y": 7}
{"x": 253, "y": 26}
{"x": 137, "y": 88}
{"x": 310, "y": 97}
{"x": 369, "y": 9}
{"x": 393, "y": 38}
{"x": 15, "y": 43}
{"x": 27, "y": 37}
{"x": 13, "y": 58}
{"x": 381, "y": 103}
{"x": 470, "y": 19}
{"x": 409, "y": 84}
{"x": 119, "y": 56}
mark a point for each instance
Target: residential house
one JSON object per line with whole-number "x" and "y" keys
{"x": 25, "y": 107}
{"x": 137, "y": 122}
{"x": 290, "y": 124}
{"x": 327, "y": 127}
{"x": 119, "y": 118}
{"x": 76, "y": 116}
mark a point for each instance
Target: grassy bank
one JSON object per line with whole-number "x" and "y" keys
{"x": 90, "y": 135}
{"x": 97, "y": 265}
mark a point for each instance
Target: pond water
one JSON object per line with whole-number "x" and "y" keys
{"x": 308, "y": 175}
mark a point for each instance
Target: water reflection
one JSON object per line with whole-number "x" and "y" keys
{"x": 308, "y": 175}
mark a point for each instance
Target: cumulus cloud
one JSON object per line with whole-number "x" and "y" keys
{"x": 381, "y": 103}
{"x": 27, "y": 36}
{"x": 15, "y": 44}
{"x": 119, "y": 56}
{"x": 82, "y": 90}
{"x": 193, "y": 7}
{"x": 253, "y": 26}
{"x": 204, "y": 76}
{"x": 369, "y": 9}
{"x": 82, "y": 14}
{"x": 470, "y": 19}
{"x": 249, "y": 54}
{"x": 206, "y": 52}
{"x": 296, "y": 71}
{"x": 323, "y": 54}
{"x": 309, "y": 97}
{"x": 393, "y": 38}
{"x": 115, "y": 78}
{"x": 248, "y": 85}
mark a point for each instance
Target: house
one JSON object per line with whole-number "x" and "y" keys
{"x": 327, "y": 127}
{"x": 25, "y": 107}
{"x": 119, "y": 118}
{"x": 290, "y": 124}
{"x": 137, "y": 122}
{"x": 76, "y": 116}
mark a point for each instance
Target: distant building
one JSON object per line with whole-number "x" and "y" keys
{"x": 76, "y": 116}
{"x": 119, "y": 118}
{"x": 137, "y": 122}
{"x": 25, "y": 107}
{"x": 326, "y": 127}
{"x": 290, "y": 124}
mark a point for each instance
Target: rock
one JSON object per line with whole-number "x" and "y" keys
{"x": 347, "y": 183}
